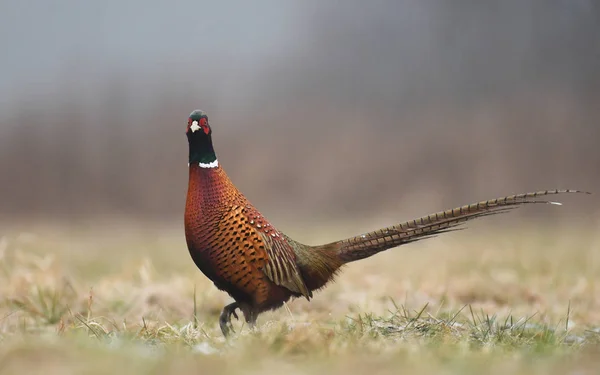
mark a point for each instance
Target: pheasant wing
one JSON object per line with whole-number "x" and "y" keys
{"x": 266, "y": 248}
{"x": 281, "y": 265}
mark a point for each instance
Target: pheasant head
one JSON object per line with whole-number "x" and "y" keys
{"x": 200, "y": 141}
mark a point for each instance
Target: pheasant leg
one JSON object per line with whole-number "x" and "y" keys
{"x": 225, "y": 318}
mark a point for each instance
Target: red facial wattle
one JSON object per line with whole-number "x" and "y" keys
{"x": 204, "y": 125}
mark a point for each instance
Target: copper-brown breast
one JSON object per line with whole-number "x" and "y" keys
{"x": 224, "y": 240}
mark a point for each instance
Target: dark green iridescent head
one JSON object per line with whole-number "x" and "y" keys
{"x": 198, "y": 120}
{"x": 199, "y": 138}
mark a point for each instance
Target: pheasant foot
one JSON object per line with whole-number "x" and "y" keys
{"x": 225, "y": 318}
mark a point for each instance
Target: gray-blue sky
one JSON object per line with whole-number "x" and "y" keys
{"x": 426, "y": 47}
{"x": 42, "y": 39}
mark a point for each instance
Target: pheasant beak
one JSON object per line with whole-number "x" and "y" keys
{"x": 194, "y": 127}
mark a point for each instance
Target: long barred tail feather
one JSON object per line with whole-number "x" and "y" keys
{"x": 368, "y": 244}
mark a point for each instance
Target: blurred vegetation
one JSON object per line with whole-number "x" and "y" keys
{"x": 90, "y": 302}
{"x": 354, "y": 110}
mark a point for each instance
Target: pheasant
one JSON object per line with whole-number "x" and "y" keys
{"x": 260, "y": 267}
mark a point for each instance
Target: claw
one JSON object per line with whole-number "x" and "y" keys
{"x": 225, "y": 319}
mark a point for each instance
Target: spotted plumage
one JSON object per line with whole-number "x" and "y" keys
{"x": 260, "y": 267}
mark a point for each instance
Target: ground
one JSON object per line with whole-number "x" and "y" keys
{"x": 122, "y": 298}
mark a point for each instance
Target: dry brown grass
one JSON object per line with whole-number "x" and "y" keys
{"x": 121, "y": 298}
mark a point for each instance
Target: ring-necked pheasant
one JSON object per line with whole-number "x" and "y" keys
{"x": 237, "y": 248}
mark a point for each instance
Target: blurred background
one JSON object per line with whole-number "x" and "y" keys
{"x": 321, "y": 110}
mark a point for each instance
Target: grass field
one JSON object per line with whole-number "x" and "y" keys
{"x": 126, "y": 299}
